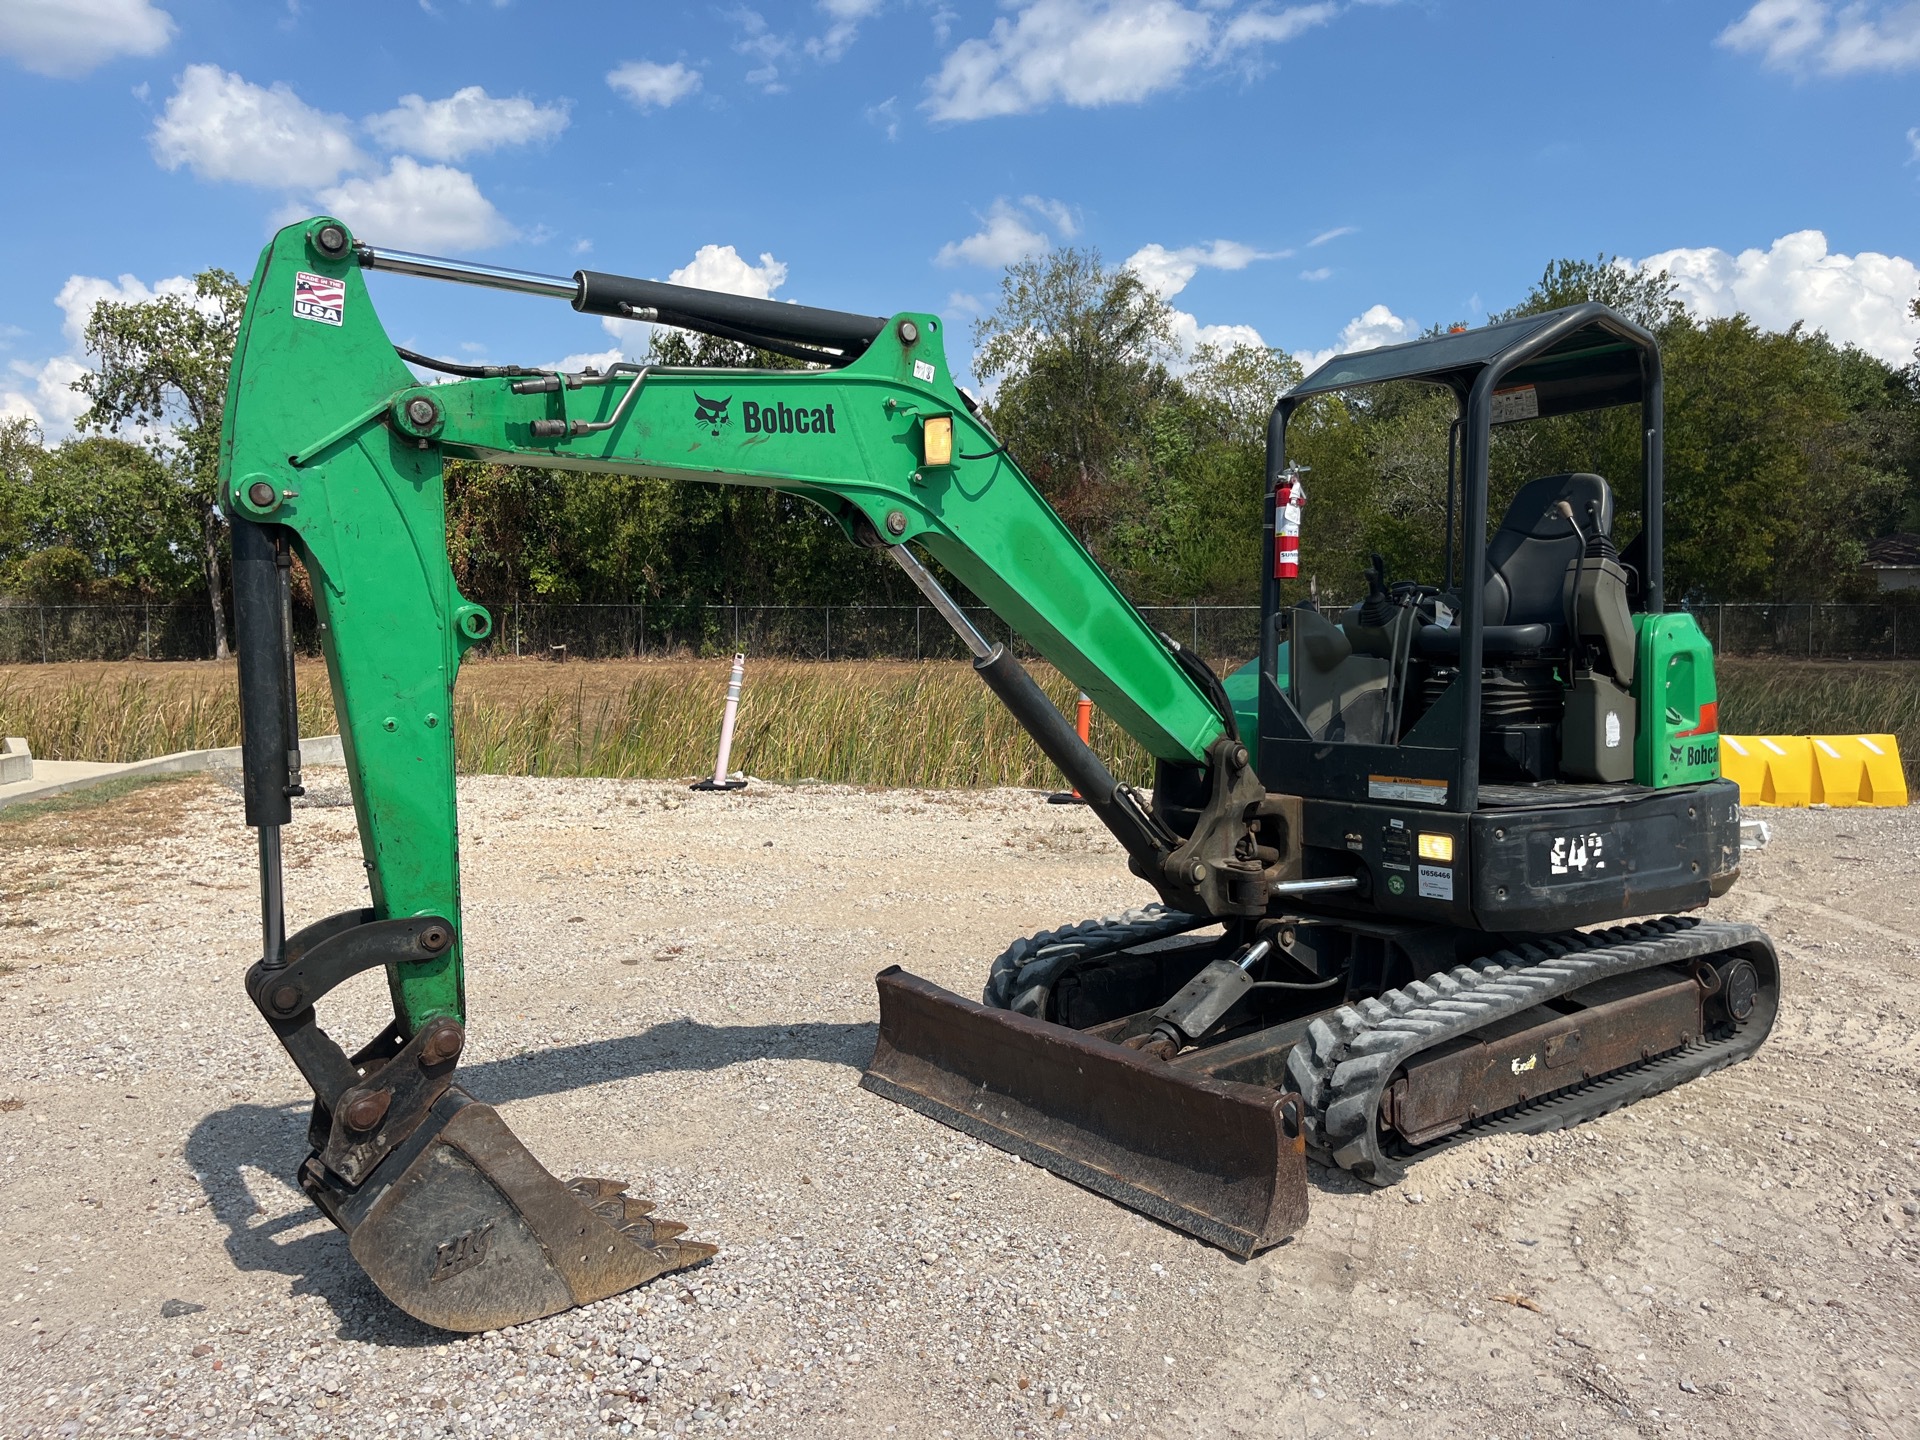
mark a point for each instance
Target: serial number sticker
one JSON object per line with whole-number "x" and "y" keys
{"x": 1521, "y": 402}
{"x": 922, "y": 371}
{"x": 1406, "y": 790}
{"x": 319, "y": 297}
{"x": 1436, "y": 882}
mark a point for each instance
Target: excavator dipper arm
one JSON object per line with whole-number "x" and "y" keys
{"x": 333, "y": 452}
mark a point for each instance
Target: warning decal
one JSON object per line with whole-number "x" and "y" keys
{"x": 1406, "y": 789}
{"x": 317, "y": 297}
{"x": 1522, "y": 402}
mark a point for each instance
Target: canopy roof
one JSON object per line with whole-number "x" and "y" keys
{"x": 1582, "y": 357}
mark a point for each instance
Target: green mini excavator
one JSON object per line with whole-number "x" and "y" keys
{"x": 1417, "y": 864}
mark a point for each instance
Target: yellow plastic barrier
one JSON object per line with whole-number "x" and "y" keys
{"x": 1745, "y": 763}
{"x": 1794, "y": 770}
{"x": 1858, "y": 770}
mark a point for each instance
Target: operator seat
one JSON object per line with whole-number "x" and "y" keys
{"x": 1524, "y": 604}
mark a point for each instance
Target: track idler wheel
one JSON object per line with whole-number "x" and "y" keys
{"x": 462, "y": 1228}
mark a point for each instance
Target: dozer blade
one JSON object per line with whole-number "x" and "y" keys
{"x": 462, "y": 1228}
{"x": 1222, "y": 1161}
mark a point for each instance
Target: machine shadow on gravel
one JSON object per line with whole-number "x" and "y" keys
{"x": 272, "y": 1139}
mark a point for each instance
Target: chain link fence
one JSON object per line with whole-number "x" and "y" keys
{"x": 1225, "y": 634}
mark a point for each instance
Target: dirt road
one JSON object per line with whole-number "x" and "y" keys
{"x": 678, "y": 989}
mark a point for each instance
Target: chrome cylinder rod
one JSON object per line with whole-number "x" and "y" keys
{"x": 942, "y": 601}
{"x": 467, "y": 272}
{"x": 1284, "y": 888}
{"x": 273, "y": 900}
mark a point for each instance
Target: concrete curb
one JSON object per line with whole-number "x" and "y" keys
{"x": 319, "y": 750}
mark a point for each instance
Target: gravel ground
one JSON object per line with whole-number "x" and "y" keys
{"x": 678, "y": 990}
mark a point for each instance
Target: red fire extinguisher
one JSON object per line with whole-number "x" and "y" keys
{"x": 1289, "y": 497}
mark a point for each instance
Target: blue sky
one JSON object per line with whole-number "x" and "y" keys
{"x": 1314, "y": 175}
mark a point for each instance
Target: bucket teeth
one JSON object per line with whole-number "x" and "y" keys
{"x": 590, "y": 1188}
{"x": 468, "y": 1231}
{"x": 653, "y": 1232}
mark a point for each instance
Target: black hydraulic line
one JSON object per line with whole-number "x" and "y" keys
{"x": 615, "y": 295}
{"x": 454, "y": 367}
{"x": 681, "y": 321}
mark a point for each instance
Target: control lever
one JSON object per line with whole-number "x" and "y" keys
{"x": 1565, "y": 512}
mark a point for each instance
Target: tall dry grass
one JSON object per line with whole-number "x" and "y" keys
{"x": 878, "y": 723}
{"x": 875, "y": 723}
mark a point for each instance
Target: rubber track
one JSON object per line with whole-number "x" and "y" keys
{"x": 1347, "y": 1060}
{"x": 1024, "y": 973}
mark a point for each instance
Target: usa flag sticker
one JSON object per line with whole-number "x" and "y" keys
{"x": 316, "y": 297}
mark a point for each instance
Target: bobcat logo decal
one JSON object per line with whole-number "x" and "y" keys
{"x": 711, "y": 413}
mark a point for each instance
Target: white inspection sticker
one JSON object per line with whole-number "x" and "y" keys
{"x": 1406, "y": 790}
{"x": 1436, "y": 882}
{"x": 319, "y": 297}
{"x": 922, "y": 371}
{"x": 1522, "y": 402}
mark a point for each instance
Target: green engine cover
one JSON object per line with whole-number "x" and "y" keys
{"x": 1679, "y": 741}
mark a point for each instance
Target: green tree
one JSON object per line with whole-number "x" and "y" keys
{"x": 114, "y": 504}
{"x": 20, "y": 455}
{"x": 1079, "y": 355}
{"x": 1195, "y": 532}
{"x": 163, "y": 363}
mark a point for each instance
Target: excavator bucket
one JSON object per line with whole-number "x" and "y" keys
{"x": 462, "y": 1228}
{"x": 1223, "y": 1161}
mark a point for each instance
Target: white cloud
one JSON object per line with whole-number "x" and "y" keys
{"x": 844, "y": 17}
{"x": 1063, "y": 216}
{"x": 1321, "y": 272}
{"x": 1374, "y": 327}
{"x": 1334, "y": 234}
{"x": 713, "y": 267}
{"x": 42, "y": 390}
{"x": 720, "y": 267}
{"x": 1263, "y": 26}
{"x": 432, "y": 207}
{"x": 1166, "y": 272}
{"x": 1913, "y": 139}
{"x": 223, "y": 128}
{"x": 590, "y": 360}
{"x": 71, "y": 37}
{"x": 1005, "y": 236}
{"x": 1817, "y": 36}
{"x": 1099, "y": 52}
{"x": 1081, "y": 52}
{"x": 757, "y": 42}
{"x": 654, "y": 86}
{"x": 467, "y": 122}
{"x": 82, "y": 292}
{"x": 44, "y": 394}
{"x": 1858, "y": 299}
{"x": 886, "y": 115}
{"x": 1189, "y": 334}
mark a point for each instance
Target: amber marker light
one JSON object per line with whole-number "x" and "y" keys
{"x": 936, "y": 439}
{"x": 1437, "y": 847}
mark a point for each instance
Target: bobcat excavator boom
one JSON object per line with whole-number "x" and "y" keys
{"x": 1301, "y": 985}
{"x": 333, "y": 452}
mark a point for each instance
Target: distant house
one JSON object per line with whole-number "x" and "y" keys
{"x": 1894, "y": 561}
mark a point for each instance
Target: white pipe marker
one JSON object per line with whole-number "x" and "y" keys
{"x": 727, "y": 717}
